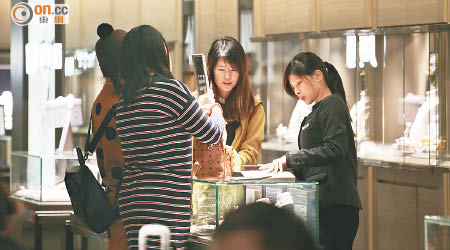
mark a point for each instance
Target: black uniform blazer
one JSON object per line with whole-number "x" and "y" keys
{"x": 327, "y": 153}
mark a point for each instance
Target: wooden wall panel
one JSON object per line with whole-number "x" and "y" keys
{"x": 344, "y": 14}
{"x": 214, "y": 19}
{"x": 448, "y": 11}
{"x": 73, "y": 29}
{"x": 204, "y": 21}
{"x": 162, "y": 15}
{"x": 288, "y": 16}
{"x": 5, "y": 24}
{"x": 257, "y": 18}
{"x": 92, "y": 14}
{"x": 86, "y": 15}
{"x": 227, "y": 18}
{"x": 411, "y": 12}
{"x": 273, "y": 12}
{"x": 125, "y": 14}
{"x": 300, "y": 15}
{"x": 361, "y": 239}
{"x": 395, "y": 217}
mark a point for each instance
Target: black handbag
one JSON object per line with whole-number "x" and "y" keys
{"x": 89, "y": 201}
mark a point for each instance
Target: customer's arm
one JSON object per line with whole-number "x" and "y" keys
{"x": 207, "y": 129}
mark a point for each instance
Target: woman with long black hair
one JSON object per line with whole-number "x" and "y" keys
{"x": 327, "y": 152}
{"x": 156, "y": 119}
{"x": 243, "y": 112}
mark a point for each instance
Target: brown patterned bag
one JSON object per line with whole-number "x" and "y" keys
{"x": 214, "y": 161}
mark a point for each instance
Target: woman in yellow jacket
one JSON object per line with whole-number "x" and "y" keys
{"x": 243, "y": 112}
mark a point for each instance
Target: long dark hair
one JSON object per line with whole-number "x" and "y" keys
{"x": 240, "y": 103}
{"x": 306, "y": 63}
{"x": 144, "y": 51}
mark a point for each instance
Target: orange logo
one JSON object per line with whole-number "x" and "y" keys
{"x": 24, "y": 13}
{"x": 21, "y": 14}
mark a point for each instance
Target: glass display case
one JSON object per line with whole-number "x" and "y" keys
{"x": 405, "y": 99}
{"x": 41, "y": 178}
{"x": 437, "y": 232}
{"x": 211, "y": 200}
{"x": 396, "y": 83}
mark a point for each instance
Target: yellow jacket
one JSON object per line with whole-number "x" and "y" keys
{"x": 249, "y": 135}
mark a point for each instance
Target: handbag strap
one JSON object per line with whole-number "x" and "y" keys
{"x": 90, "y": 146}
{"x": 88, "y": 137}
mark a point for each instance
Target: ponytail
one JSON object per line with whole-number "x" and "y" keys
{"x": 334, "y": 81}
{"x": 306, "y": 63}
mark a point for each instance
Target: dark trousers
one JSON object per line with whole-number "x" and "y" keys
{"x": 338, "y": 226}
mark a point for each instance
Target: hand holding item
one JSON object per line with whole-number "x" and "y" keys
{"x": 276, "y": 166}
{"x": 235, "y": 158}
{"x": 215, "y": 108}
{"x": 206, "y": 101}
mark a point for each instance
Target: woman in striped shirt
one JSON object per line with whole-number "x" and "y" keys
{"x": 156, "y": 119}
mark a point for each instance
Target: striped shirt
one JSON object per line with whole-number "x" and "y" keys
{"x": 156, "y": 138}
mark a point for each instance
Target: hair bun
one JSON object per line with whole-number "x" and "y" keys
{"x": 104, "y": 30}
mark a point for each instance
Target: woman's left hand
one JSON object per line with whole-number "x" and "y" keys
{"x": 276, "y": 166}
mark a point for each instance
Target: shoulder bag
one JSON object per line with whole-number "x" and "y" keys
{"x": 89, "y": 201}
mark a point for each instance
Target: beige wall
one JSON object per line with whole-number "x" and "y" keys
{"x": 215, "y": 19}
{"x": 294, "y": 16}
{"x": 288, "y": 16}
{"x": 86, "y": 15}
{"x": 406, "y": 12}
{"x": 5, "y": 24}
{"x": 338, "y": 14}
